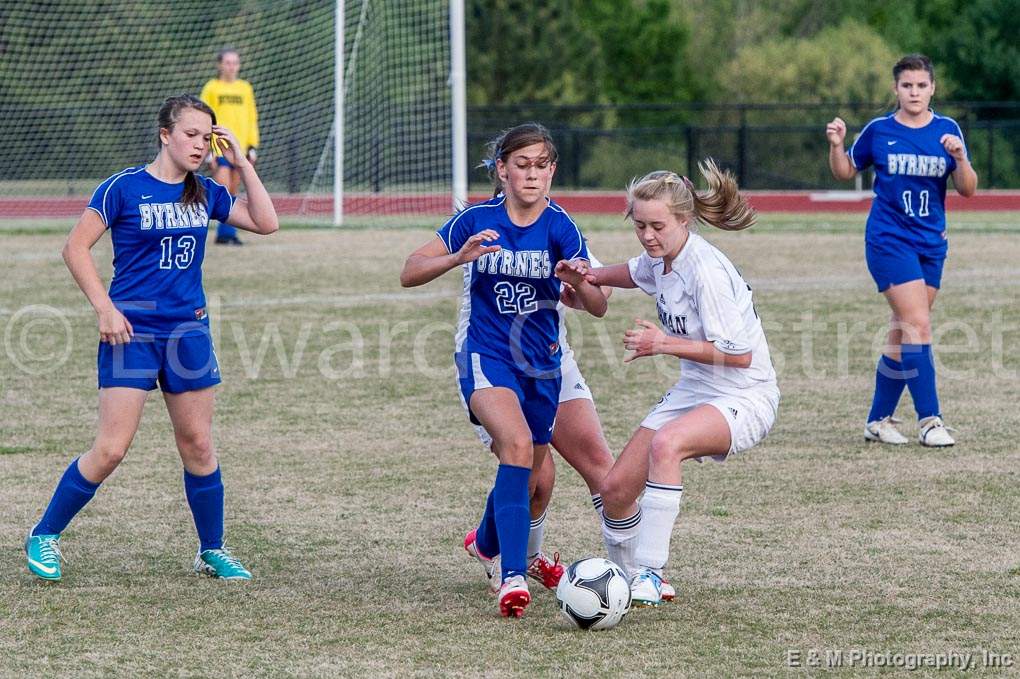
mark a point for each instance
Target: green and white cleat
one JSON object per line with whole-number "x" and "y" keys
{"x": 220, "y": 563}
{"x": 44, "y": 556}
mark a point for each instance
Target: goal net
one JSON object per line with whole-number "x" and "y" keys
{"x": 81, "y": 82}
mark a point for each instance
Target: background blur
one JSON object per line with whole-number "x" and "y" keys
{"x": 624, "y": 84}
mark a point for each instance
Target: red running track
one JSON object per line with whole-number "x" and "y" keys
{"x": 580, "y": 202}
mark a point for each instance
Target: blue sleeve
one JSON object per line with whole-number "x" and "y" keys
{"x": 219, "y": 200}
{"x": 107, "y": 200}
{"x": 860, "y": 152}
{"x": 456, "y": 231}
{"x": 569, "y": 240}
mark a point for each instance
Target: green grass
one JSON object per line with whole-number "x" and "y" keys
{"x": 352, "y": 475}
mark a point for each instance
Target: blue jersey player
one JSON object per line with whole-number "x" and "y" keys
{"x": 521, "y": 246}
{"x": 153, "y": 326}
{"x": 914, "y": 152}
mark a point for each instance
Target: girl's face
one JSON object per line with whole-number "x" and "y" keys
{"x": 188, "y": 142}
{"x": 229, "y": 66}
{"x": 914, "y": 90}
{"x": 527, "y": 174}
{"x": 661, "y": 233}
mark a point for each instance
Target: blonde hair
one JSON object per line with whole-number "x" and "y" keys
{"x": 721, "y": 205}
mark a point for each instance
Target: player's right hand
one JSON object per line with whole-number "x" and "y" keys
{"x": 835, "y": 132}
{"x": 476, "y": 246}
{"x": 114, "y": 328}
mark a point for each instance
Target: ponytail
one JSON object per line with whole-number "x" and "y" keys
{"x": 194, "y": 191}
{"x": 721, "y": 205}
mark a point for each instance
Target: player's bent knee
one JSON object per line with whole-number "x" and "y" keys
{"x": 668, "y": 449}
{"x": 518, "y": 451}
{"x": 108, "y": 455}
{"x": 615, "y": 496}
{"x": 197, "y": 448}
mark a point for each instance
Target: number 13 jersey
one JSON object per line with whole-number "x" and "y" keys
{"x": 158, "y": 248}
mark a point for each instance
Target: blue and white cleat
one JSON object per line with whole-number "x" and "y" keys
{"x": 646, "y": 588}
{"x": 220, "y": 563}
{"x": 44, "y": 556}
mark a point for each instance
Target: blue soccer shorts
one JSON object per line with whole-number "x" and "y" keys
{"x": 539, "y": 396}
{"x": 176, "y": 364}
{"x": 893, "y": 265}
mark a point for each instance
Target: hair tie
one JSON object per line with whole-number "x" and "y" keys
{"x": 489, "y": 164}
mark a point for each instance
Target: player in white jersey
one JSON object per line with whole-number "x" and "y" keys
{"x": 726, "y": 399}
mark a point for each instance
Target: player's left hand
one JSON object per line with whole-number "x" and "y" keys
{"x": 229, "y": 146}
{"x": 572, "y": 272}
{"x": 953, "y": 146}
{"x": 644, "y": 340}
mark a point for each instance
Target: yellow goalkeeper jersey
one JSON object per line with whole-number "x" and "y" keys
{"x": 234, "y": 104}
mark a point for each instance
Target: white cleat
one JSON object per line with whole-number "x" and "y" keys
{"x": 514, "y": 597}
{"x": 884, "y": 431}
{"x": 934, "y": 433}
{"x": 646, "y": 588}
{"x": 491, "y": 566}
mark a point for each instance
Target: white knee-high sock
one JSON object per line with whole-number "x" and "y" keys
{"x": 535, "y": 536}
{"x": 660, "y": 506}
{"x": 621, "y": 536}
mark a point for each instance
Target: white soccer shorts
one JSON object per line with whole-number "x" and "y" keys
{"x": 749, "y": 415}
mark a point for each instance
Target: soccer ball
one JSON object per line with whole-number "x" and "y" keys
{"x": 594, "y": 593}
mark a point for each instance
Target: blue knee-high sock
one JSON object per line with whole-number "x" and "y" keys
{"x": 889, "y": 385}
{"x": 513, "y": 517}
{"x": 73, "y": 492}
{"x": 919, "y": 369}
{"x": 205, "y": 497}
{"x": 487, "y": 537}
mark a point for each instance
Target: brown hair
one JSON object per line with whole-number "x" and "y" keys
{"x": 166, "y": 119}
{"x": 512, "y": 140}
{"x": 721, "y": 205}
{"x": 913, "y": 62}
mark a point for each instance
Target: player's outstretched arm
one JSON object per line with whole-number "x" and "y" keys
{"x": 432, "y": 260}
{"x": 613, "y": 276}
{"x": 254, "y": 212}
{"x": 77, "y": 253}
{"x": 839, "y": 161}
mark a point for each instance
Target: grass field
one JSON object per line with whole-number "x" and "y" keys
{"x": 352, "y": 475}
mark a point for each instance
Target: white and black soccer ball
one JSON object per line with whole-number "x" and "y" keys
{"x": 594, "y": 593}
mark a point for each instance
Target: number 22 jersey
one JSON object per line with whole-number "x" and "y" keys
{"x": 513, "y": 293}
{"x": 158, "y": 248}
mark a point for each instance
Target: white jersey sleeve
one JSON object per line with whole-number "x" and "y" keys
{"x": 642, "y": 272}
{"x": 720, "y": 312}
